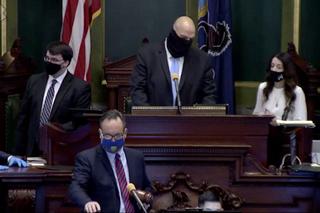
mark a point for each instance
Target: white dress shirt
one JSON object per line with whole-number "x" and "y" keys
{"x": 170, "y": 59}
{"x": 56, "y": 87}
{"x": 276, "y": 103}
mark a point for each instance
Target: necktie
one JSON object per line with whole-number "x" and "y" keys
{"x": 174, "y": 71}
{"x": 123, "y": 184}
{"x": 46, "y": 110}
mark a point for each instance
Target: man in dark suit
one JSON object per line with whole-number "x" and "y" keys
{"x": 48, "y": 98}
{"x": 98, "y": 182}
{"x": 10, "y": 160}
{"x": 158, "y": 65}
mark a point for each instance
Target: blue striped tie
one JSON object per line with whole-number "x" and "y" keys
{"x": 46, "y": 110}
{"x": 174, "y": 71}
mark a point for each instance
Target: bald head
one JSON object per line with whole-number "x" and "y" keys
{"x": 184, "y": 27}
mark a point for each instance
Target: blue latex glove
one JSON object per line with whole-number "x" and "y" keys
{"x": 2, "y": 167}
{"x": 15, "y": 161}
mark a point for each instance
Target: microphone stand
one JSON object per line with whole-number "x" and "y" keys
{"x": 140, "y": 204}
{"x": 178, "y": 96}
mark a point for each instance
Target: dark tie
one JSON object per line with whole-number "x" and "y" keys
{"x": 123, "y": 184}
{"x": 46, "y": 110}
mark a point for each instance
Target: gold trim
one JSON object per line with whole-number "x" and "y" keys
{"x": 3, "y": 17}
{"x": 296, "y": 23}
{"x": 247, "y": 84}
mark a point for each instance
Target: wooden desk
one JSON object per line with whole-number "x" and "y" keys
{"x": 261, "y": 191}
{"x": 214, "y": 150}
{"x": 34, "y": 189}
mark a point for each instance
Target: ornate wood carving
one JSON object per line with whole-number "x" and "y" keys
{"x": 181, "y": 198}
{"x": 117, "y": 76}
{"x": 21, "y": 200}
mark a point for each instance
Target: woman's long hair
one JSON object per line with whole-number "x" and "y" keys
{"x": 289, "y": 75}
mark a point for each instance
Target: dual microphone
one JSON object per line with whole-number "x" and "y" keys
{"x": 139, "y": 196}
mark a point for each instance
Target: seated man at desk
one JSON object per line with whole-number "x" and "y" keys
{"x": 10, "y": 160}
{"x": 173, "y": 65}
{"x": 102, "y": 173}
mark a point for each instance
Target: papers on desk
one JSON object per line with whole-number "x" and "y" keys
{"x": 36, "y": 161}
{"x": 307, "y": 124}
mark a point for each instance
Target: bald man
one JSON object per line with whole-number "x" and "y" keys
{"x": 158, "y": 65}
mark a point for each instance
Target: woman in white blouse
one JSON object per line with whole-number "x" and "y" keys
{"x": 280, "y": 96}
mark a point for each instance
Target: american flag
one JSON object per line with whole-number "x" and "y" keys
{"x": 77, "y": 16}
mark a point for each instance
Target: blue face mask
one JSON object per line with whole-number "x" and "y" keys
{"x": 112, "y": 146}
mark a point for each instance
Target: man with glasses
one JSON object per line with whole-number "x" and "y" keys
{"x": 48, "y": 98}
{"x": 101, "y": 174}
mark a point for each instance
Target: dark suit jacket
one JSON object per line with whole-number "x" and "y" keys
{"x": 3, "y": 158}
{"x": 93, "y": 178}
{"x": 73, "y": 93}
{"x": 151, "y": 81}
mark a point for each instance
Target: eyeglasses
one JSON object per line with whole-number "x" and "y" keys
{"x": 113, "y": 137}
{"x": 51, "y": 59}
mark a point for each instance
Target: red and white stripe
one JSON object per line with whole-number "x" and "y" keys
{"x": 77, "y": 16}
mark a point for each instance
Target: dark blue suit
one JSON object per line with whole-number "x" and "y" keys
{"x": 93, "y": 178}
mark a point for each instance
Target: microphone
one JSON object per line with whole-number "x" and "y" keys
{"x": 175, "y": 79}
{"x": 132, "y": 191}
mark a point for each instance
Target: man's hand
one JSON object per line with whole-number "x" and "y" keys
{"x": 92, "y": 206}
{"x": 17, "y": 161}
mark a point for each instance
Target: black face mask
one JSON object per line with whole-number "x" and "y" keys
{"x": 276, "y": 76}
{"x": 177, "y": 46}
{"x": 52, "y": 68}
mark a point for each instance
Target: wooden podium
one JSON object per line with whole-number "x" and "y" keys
{"x": 158, "y": 134}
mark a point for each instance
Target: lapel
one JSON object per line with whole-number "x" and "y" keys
{"x": 187, "y": 65}
{"x": 102, "y": 155}
{"x": 61, "y": 93}
{"x": 40, "y": 95}
{"x": 164, "y": 62}
{"x": 131, "y": 166}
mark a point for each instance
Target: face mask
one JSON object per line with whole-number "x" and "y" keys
{"x": 112, "y": 146}
{"x": 52, "y": 68}
{"x": 276, "y": 76}
{"x": 177, "y": 46}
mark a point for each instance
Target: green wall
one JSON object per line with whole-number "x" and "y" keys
{"x": 256, "y": 36}
{"x": 129, "y": 21}
{"x": 310, "y": 31}
{"x": 39, "y": 23}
